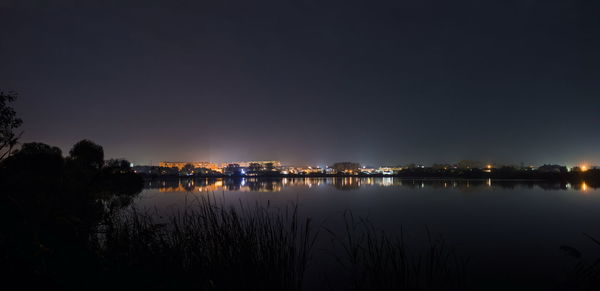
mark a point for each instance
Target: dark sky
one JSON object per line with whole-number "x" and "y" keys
{"x": 309, "y": 81}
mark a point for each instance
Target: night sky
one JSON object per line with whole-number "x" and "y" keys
{"x": 308, "y": 81}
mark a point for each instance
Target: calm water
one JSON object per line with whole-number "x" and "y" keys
{"x": 511, "y": 230}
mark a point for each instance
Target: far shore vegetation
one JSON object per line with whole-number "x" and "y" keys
{"x": 548, "y": 173}
{"x": 465, "y": 169}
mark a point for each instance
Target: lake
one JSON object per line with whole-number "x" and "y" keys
{"x": 510, "y": 230}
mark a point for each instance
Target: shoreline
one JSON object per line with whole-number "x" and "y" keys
{"x": 594, "y": 179}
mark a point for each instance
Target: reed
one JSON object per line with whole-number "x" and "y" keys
{"x": 586, "y": 271}
{"x": 208, "y": 246}
{"x": 211, "y": 247}
{"x": 375, "y": 260}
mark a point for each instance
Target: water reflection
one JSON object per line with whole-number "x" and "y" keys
{"x": 351, "y": 183}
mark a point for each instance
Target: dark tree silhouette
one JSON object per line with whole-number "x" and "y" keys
{"x": 346, "y": 167}
{"x": 233, "y": 170}
{"x": 188, "y": 169}
{"x": 254, "y": 167}
{"x": 9, "y": 122}
{"x": 118, "y": 165}
{"x": 52, "y": 208}
{"x": 269, "y": 167}
{"x": 88, "y": 154}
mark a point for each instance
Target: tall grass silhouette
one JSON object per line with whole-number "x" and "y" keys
{"x": 375, "y": 260}
{"x": 210, "y": 247}
{"x": 586, "y": 273}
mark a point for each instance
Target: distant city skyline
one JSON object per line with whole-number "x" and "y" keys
{"x": 276, "y": 163}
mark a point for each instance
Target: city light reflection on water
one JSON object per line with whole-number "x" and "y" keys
{"x": 584, "y": 187}
{"x": 350, "y": 183}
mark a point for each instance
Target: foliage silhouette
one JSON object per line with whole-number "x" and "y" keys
{"x": 9, "y": 122}
{"x": 51, "y": 208}
{"x": 87, "y": 154}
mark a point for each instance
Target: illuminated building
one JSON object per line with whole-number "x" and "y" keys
{"x": 365, "y": 170}
{"x": 275, "y": 164}
{"x": 301, "y": 170}
{"x": 389, "y": 170}
{"x": 180, "y": 165}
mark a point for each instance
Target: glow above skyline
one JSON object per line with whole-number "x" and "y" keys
{"x": 388, "y": 83}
